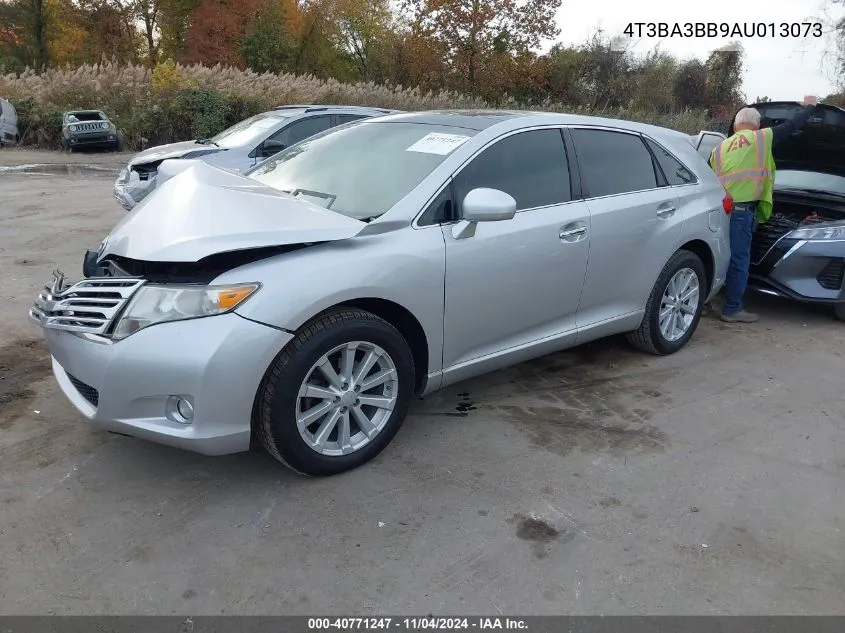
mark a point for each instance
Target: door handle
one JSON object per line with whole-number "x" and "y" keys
{"x": 665, "y": 213}
{"x": 581, "y": 230}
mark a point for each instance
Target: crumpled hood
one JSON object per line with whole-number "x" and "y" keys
{"x": 820, "y": 146}
{"x": 206, "y": 210}
{"x": 171, "y": 150}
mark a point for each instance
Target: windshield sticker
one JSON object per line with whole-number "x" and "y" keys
{"x": 436, "y": 143}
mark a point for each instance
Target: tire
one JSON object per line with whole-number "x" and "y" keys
{"x": 118, "y": 147}
{"x": 278, "y": 400}
{"x": 649, "y": 337}
{"x": 839, "y": 311}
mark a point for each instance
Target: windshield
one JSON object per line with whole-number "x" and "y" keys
{"x": 76, "y": 117}
{"x": 795, "y": 179}
{"x": 363, "y": 170}
{"x": 248, "y": 130}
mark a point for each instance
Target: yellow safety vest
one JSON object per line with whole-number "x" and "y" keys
{"x": 746, "y": 169}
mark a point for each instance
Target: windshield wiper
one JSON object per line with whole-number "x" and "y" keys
{"x": 206, "y": 141}
{"x": 821, "y": 192}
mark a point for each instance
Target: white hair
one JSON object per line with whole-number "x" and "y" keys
{"x": 747, "y": 116}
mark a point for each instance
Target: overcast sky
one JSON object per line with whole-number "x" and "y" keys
{"x": 777, "y": 67}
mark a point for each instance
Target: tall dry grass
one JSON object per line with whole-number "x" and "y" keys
{"x": 173, "y": 102}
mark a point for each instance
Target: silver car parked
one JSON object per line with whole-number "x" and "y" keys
{"x": 306, "y": 302}
{"x": 239, "y": 147}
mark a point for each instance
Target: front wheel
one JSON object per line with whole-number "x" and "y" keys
{"x": 674, "y": 306}
{"x": 337, "y": 394}
{"x": 839, "y": 311}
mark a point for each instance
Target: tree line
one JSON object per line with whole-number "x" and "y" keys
{"x": 483, "y": 48}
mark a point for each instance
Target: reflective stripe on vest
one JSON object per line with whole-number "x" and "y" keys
{"x": 759, "y": 174}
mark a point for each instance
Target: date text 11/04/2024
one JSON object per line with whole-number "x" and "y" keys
{"x": 417, "y": 624}
{"x": 724, "y": 29}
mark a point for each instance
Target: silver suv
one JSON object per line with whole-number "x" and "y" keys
{"x": 306, "y": 302}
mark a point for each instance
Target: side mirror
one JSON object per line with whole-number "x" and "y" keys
{"x": 488, "y": 205}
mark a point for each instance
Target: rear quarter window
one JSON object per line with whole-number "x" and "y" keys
{"x": 672, "y": 168}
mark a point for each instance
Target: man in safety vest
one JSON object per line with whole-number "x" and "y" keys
{"x": 745, "y": 166}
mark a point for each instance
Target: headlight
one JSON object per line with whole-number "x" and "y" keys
{"x": 72, "y": 128}
{"x": 104, "y": 125}
{"x": 829, "y": 232}
{"x": 160, "y": 304}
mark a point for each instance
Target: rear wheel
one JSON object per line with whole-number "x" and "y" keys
{"x": 336, "y": 396}
{"x": 674, "y": 307}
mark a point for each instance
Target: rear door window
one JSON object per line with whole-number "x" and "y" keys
{"x": 530, "y": 166}
{"x": 347, "y": 118}
{"x": 613, "y": 162}
{"x": 301, "y": 130}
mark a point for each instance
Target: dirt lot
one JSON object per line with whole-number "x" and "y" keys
{"x": 593, "y": 481}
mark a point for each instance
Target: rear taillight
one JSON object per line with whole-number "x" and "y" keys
{"x": 728, "y": 203}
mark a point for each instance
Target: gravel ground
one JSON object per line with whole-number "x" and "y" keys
{"x": 595, "y": 481}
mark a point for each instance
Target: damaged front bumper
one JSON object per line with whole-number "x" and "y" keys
{"x": 130, "y": 189}
{"x": 810, "y": 271}
{"x": 170, "y": 383}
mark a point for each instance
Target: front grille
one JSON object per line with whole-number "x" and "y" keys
{"x": 831, "y": 275}
{"x": 93, "y": 138}
{"x": 86, "y": 391}
{"x": 89, "y": 306}
{"x": 89, "y": 127}
{"x": 767, "y": 234}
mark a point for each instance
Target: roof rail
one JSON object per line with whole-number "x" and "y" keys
{"x": 313, "y": 107}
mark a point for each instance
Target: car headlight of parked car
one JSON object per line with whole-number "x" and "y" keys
{"x": 72, "y": 128}
{"x": 160, "y": 304}
{"x": 820, "y": 233}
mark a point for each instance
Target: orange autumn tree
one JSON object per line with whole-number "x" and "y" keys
{"x": 472, "y": 36}
{"x": 215, "y": 31}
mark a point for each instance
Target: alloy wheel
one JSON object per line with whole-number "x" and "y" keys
{"x": 679, "y": 304}
{"x": 346, "y": 398}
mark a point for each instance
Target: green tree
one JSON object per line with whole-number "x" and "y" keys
{"x": 173, "y": 21}
{"x": 365, "y": 28}
{"x": 724, "y": 79}
{"x": 652, "y": 81}
{"x": 690, "y": 85}
{"x": 269, "y": 45}
{"x": 29, "y": 24}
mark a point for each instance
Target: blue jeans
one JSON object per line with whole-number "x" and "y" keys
{"x": 743, "y": 223}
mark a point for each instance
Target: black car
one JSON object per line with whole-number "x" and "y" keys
{"x": 800, "y": 252}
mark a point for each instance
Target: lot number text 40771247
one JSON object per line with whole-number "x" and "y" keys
{"x": 417, "y": 624}
{"x": 724, "y": 29}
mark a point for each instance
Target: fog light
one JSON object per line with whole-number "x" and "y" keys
{"x": 185, "y": 409}
{"x": 179, "y": 409}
